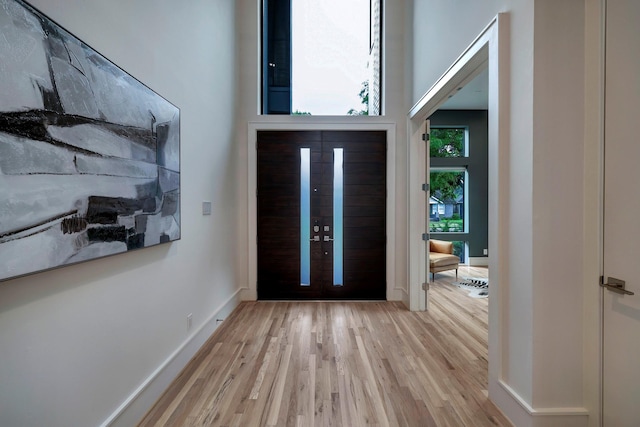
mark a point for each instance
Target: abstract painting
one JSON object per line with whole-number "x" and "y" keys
{"x": 89, "y": 156}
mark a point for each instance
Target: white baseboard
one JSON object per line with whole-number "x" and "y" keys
{"x": 478, "y": 261}
{"x": 248, "y": 294}
{"x": 522, "y": 414}
{"x": 140, "y": 401}
{"x": 398, "y": 294}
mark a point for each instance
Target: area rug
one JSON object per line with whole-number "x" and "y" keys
{"x": 478, "y": 287}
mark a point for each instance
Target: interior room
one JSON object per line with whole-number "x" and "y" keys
{"x": 458, "y": 204}
{"x": 99, "y": 341}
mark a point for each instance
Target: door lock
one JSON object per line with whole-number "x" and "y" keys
{"x": 615, "y": 285}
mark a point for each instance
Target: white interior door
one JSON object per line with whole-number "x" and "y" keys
{"x": 621, "y": 312}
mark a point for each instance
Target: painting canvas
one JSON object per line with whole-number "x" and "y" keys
{"x": 89, "y": 156}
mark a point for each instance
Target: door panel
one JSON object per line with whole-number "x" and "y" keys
{"x": 278, "y": 207}
{"x": 360, "y": 223}
{"x": 621, "y": 313}
{"x": 364, "y": 245}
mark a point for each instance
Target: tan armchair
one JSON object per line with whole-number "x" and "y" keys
{"x": 441, "y": 257}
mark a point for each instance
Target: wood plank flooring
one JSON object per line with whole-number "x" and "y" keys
{"x": 340, "y": 364}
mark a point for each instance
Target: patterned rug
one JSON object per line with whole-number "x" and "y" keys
{"x": 477, "y": 287}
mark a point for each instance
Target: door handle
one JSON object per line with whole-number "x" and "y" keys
{"x": 328, "y": 239}
{"x": 315, "y": 239}
{"x": 615, "y": 285}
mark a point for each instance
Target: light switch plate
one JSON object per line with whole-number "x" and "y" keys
{"x": 206, "y": 208}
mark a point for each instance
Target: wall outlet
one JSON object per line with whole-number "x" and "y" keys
{"x": 206, "y": 208}
{"x": 485, "y": 252}
{"x": 189, "y": 320}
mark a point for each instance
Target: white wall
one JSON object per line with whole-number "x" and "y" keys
{"x": 541, "y": 376}
{"x": 558, "y": 156}
{"x": 517, "y": 367}
{"x": 77, "y": 342}
{"x": 442, "y": 29}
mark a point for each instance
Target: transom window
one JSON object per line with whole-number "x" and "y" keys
{"x": 321, "y": 57}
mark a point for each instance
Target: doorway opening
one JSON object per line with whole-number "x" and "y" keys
{"x": 484, "y": 54}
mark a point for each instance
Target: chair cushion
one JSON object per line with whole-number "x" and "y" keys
{"x": 440, "y": 260}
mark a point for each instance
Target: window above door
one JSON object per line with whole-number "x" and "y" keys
{"x": 321, "y": 58}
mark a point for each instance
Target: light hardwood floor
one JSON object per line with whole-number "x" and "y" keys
{"x": 340, "y": 364}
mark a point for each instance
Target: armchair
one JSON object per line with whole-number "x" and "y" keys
{"x": 441, "y": 257}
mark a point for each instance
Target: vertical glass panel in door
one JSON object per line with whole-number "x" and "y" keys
{"x": 305, "y": 217}
{"x": 338, "y": 214}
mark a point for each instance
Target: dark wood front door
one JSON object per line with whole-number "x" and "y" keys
{"x": 321, "y": 214}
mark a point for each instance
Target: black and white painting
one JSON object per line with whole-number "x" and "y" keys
{"x": 89, "y": 156}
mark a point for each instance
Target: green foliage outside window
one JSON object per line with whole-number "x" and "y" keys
{"x": 458, "y": 250}
{"x": 447, "y": 142}
{"x": 446, "y": 186}
{"x": 364, "y": 100}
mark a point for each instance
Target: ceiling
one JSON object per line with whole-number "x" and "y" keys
{"x": 473, "y": 96}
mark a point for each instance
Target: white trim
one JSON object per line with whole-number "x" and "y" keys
{"x": 394, "y": 292}
{"x": 522, "y": 414}
{"x": 537, "y": 412}
{"x": 499, "y": 128}
{"x": 599, "y": 412}
{"x": 142, "y": 399}
{"x": 478, "y": 261}
{"x": 593, "y": 208}
{"x": 416, "y": 253}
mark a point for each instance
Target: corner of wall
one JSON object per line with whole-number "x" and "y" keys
{"x": 521, "y": 414}
{"x": 131, "y": 411}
